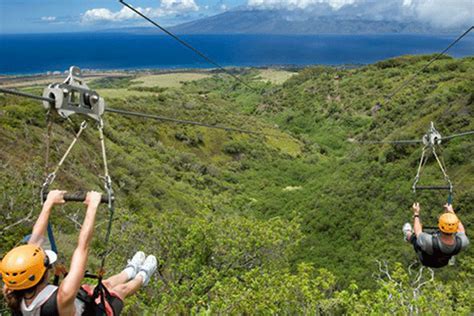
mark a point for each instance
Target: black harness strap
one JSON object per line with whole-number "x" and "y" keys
{"x": 437, "y": 247}
{"x": 103, "y": 293}
{"x": 438, "y": 259}
{"x": 90, "y": 307}
{"x": 50, "y": 307}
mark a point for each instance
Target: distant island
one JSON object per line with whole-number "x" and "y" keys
{"x": 296, "y": 22}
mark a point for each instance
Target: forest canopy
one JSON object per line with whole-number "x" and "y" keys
{"x": 305, "y": 223}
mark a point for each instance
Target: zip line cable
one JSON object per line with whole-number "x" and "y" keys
{"x": 144, "y": 115}
{"x": 458, "y": 135}
{"x": 26, "y": 95}
{"x": 389, "y": 97}
{"x": 414, "y": 141}
{"x": 186, "y": 44}
{"x": 390, "y": 142}
{"x": 178, "y": 121}
{"x": 406, "y": 82}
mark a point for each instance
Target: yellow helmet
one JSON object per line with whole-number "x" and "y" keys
{"x": 24, "y": 266}
{"x": 448, "y": 223}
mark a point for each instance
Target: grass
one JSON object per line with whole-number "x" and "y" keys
{"x": 123, "y": 93}
{"x": 275, "y": 76}
{"x": 173, "y": 80}
{"x": 285, "y": 143}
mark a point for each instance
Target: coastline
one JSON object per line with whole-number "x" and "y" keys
{"x": 36, "y": 79}
{"x": 36, "y": 55}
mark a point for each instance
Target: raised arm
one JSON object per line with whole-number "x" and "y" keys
{"x": 417, "y": 227}
{"x": 449, "y": 208}
{"x": 70, "y": 286}
{"x": 39, "y": 230}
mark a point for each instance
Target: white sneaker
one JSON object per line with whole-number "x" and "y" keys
{"x": 148, "y": 268}
{"x": 406, "y": 230}
{"x": 134, "y": 265}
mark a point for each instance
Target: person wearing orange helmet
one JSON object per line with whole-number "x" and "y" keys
{"x": 24, "y": 272}
{"x": 435, "y": 250}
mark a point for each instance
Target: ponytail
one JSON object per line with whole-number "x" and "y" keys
{"x": 14, "y": 298}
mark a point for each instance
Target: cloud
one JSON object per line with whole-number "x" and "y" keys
{"x": 102, "y": 14}
{"x": 48, "y": 18}
{"x": 443, "y": 13}
{"x": 167, "y": 7}
{"x": 179, "y": 5}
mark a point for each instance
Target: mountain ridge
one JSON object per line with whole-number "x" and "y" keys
{"x": 245, "y": 20}
{"x": 298, "y": 22}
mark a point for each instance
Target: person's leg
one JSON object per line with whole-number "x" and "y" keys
{"x": 142, "y": 278}
{"x": 128, "y": 273}
{"x": 116, "y": 279}
{"x": 129, "y": 288}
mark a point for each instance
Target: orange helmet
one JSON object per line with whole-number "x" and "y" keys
{"x": 24, "y": 266}
{"x": 448, "y": 223}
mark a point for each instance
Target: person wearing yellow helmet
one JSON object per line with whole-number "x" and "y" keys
{"x": 435, "y": 250}
{"x": 24, "y": 272}
{"x": 25, "y": 266}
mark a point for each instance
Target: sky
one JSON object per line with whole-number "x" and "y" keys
{"x": 55, "y": 16}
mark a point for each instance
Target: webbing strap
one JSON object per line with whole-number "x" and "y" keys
{"x": 435, "y": 243}
{"x": 458, "y": 246}
{"x": 450, "y": 198}
{"x": 443, "y": 170}
{"x": 81, "y": 129}
{"x": 49, "y": 121}
{"x": 50, "y": 178}
{"x": 52, "y": 241}
{"x": 422, "y": 163}
{"x": 110, "y": 193}
{"x": 420, "y": 166}
{"x": 48, "y": 142}
{"x": 101, "y": 292}
{"x": 100, "y": 288}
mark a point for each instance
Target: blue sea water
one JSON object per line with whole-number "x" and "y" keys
{"x": 37, "y": 53}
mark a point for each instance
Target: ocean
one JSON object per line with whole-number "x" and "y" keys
{"x": 39, "y": 53}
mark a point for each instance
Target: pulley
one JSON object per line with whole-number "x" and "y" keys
{"x": 432, "y": 138}
{"x": 74, "y": 96}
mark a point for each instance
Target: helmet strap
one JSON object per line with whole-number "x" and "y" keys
{"x": 46, "y": 261}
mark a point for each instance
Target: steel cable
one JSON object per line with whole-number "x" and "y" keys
{"x": 26, "y": 95}
{"x": 178, "y": 121}
{"x": 390, "y": 142}
{"x": 457, "y": 135}
{"x": 406, "y": 82}
{"x": 151, "y": 116}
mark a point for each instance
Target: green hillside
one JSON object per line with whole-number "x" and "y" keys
{"x": 305, "y": 221}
